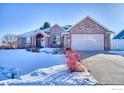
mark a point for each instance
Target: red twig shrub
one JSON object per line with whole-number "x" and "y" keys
{"x": 72, "y": 59}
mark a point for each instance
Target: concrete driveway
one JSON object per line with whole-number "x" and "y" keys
{"x": 106, "y": 68}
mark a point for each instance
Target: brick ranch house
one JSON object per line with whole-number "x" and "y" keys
{"x": 87, "y": 34}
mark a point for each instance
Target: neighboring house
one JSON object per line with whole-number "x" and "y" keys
{"x": 119, "y": 35}
{"x": 85, "y": 35}
{"x": 117, "y": 43}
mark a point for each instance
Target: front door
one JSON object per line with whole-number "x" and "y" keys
{"x": 39, "y": 40}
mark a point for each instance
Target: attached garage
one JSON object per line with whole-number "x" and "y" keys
{"x": 87, "y": 41}
{"x": 88, "y": 34}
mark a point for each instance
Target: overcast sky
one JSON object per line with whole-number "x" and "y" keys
{"x": 20, "y": 18}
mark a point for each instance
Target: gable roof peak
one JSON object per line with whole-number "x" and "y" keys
{"x": 58, "y": 26}
{"x": 89, "y": 17}
{"x": 55, "y": 24}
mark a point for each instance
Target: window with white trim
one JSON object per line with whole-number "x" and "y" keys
{"x": 56, "y": 39}
{"x": 24, "y": 40}
{"x": 28, "y": 40}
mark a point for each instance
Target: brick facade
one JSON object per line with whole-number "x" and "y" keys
{"x": 55, "y": 30}
{"x": 88, "y": 26}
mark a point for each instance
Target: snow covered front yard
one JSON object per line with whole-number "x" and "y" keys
{"x": 56, "y": 75}
{"x": 27, "y": 61}
{"x": 43, "y": 68}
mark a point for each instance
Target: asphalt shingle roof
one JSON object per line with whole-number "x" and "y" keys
{"x": 120, "y": 35}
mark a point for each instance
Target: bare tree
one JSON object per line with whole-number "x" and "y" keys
{"x": 10, "y": 40}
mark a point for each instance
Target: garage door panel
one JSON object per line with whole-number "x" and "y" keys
{"x": 87, "y": 41}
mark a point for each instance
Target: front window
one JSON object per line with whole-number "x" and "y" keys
{"x": 28, "y": 40}
{"x": 56, "y": 39}
{"x": 24, "y": 40}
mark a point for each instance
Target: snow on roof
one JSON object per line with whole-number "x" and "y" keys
{"x": 44, "y": 31}
{"x": 28, "y": 34}
{"x": 58, "y": 26}
{"x": 119, "y": 35}
{"x": 66, "y": 27}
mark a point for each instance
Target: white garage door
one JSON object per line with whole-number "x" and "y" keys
{"x": 87, "y": 41}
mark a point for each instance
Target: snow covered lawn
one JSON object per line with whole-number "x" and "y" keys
{"x": 56, "y": 75}
{"x": 43, "y": 68}
{"x": 117, "y": 52}
{"x": 28, "y": 61}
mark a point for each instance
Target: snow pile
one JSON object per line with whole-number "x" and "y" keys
{"x": 7, "y": 73}
{"x": 117, "y": 52}
{"x": 56, "y": 75}
{"x": 51, "y": 50}
{"x": 47, "y": 50}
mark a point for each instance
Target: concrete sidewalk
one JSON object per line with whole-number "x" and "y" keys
{"x": 107, "y": 69}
